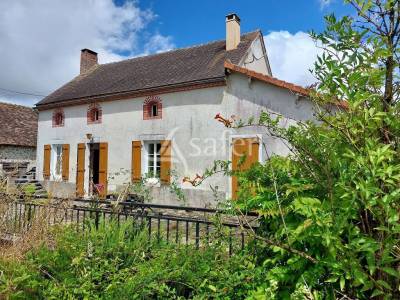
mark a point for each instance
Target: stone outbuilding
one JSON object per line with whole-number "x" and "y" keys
{"x": 18, "y": 135}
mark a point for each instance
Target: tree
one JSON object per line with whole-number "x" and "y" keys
{"x": 329, "y": 212}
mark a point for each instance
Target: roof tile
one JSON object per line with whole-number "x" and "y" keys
{"x": 192, "y": 64}
{"x": 18, "y": 125}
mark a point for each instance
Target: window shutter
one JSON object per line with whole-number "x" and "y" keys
{"x": 243, "y": 147}
{"x": 165, "y": 168}
{"x": 46, "y": 161}
{"x": 103, "y": 170}
{"x": 65, "y": 162}
{"x": 136, "y": 168}
{"x": 80, "y": 171}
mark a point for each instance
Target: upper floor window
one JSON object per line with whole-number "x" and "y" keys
{"x": 58, "y": 118}
{"x": 152, "y": 108}
{"x": 94, "y": 114}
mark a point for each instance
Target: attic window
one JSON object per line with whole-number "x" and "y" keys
{"x": 58, "y": 118}
{"x": 94, "y": 114}
{"x": 152, "y": 108}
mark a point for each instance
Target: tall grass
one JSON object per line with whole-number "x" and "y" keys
{"x": 36, "y": 232}
{"x": 116, "y": 262}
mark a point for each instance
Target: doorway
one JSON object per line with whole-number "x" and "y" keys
{"x": 98, "y": 164}
{"x": 94, "y": 167}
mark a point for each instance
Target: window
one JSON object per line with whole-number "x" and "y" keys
{"x": 58, "y": 118}
{"x": 57, "y": 166}
{"x": 153, "y": 159}
{"x": 152, "y": 108}
{"x": 94, "y": 114}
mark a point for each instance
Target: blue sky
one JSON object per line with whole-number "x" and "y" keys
{"x": 41, "y": 40}
{"x": 194, "y": 22}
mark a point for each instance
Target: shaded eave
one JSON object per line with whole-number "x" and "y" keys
{"x": 18, "y": 145}
{"x": 172, "y": 88}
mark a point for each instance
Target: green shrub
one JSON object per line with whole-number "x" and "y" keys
{"x": 119, "y": 262}
{"x": 29, "y": 189}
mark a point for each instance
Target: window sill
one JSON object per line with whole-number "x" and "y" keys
{"x": 152, "y": 118}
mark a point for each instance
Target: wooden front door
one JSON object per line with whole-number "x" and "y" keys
{"x": 103, "y": 164}
{"x": 244, "y": 155}
{"x": 80, "y": 171}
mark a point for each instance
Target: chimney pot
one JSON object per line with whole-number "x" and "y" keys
{"x": 88, "y": 60}
{"x": 232, "y": 31}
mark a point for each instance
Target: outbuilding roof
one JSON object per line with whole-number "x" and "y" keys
{"x": 193, "y": 65}
{"x": 18, "y": 125}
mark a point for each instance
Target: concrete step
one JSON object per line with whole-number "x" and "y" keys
{"x": 21, "y": 181}
{"x": 41, "y": 194}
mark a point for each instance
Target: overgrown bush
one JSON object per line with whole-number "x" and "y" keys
{"x": 331, "y": 210}
{"x": 117, "y": 262}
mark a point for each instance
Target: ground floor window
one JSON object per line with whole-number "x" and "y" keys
{"x": 153, "y": 159}
{"x": 57, "y": 162}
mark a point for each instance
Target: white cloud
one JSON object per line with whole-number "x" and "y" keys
{"x": 41, "y": 40}
{"x": 325, "y": 3}
{"x": 291, "y": 56}
{"x": 158, "y": 43}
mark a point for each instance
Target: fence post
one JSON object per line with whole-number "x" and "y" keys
{"x": 96, "y": 220}
{"x": 29, "y": 214}
{"x": 197, "y": 235}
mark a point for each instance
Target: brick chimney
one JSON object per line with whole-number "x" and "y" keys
{"x": 88, "y": 60}
{"x": 232, "y": 31}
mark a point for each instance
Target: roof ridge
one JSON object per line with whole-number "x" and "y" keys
{"x": 175, "y": 50}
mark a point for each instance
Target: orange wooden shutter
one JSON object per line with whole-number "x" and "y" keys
{"x": 136, "y": 168}
{"x": 65, "y": 162}
{"x": 80, "y": 171}
{"x": 165, "y": 160}
{"x": 247, "y": 147}
{"x": 103, "y": 169}
{"x": 46, "y": 161}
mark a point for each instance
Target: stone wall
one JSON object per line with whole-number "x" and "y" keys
{"x": 17, "y": 153}
{"x": 59, "y": 189}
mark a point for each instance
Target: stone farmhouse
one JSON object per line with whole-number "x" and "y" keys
{"x": 153, "y": 117}
{"x": 18, "y": 135}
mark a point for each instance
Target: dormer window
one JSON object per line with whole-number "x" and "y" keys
{"x": 58, "y": 118}
{"x": 94, "y": 114}
{"x": 152, "y": 108}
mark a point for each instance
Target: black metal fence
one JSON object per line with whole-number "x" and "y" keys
{"x": 174, "y": 224}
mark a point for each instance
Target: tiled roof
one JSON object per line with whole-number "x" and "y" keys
{"x": 268, "y": 79}
{"x": 203, "y": 63}
{"x": 18, "y": 125}
{"x": 277, "y": 82}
